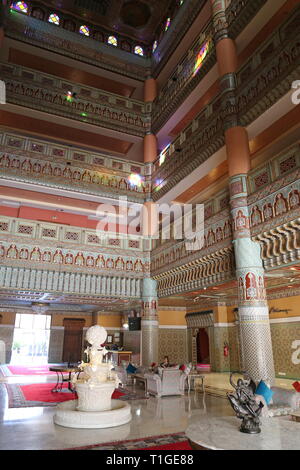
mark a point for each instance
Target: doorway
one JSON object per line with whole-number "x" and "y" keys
{"x": 73, "y": 335}
{"x": 31, "y": 339}
{"x": 203, "y": 347}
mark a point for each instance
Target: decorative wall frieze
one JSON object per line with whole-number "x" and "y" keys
{"x": 202, "y": 319}
{"x": 280, "y": 245}
{"x": 205, "y": 271}
{"x": 21, "y": 145}
{"x": 48, "y": 93}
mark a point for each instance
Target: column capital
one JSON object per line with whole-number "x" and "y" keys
{"x": 220, "y": 23}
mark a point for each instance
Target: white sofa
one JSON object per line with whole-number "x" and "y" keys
{"x": 167, "y": 381}
{"x": 283, "y": 402}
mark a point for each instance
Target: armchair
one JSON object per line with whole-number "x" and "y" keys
{"x": 166, "y": 382}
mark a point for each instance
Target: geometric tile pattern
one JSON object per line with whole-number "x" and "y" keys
{"x": 172, "y": 343}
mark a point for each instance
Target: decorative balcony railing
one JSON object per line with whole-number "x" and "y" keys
{"x": 239, "y": 13}
{"x": 269, "y": 77}
{"x": 43, "y": 92}
{"x": 189, "y": 72}
{"x": 274, "y": 207}
{"x": 197, "y": 62}
{"x": 64, "y": 283}
{"x": 53, "y": 173}
{"x": 275, "y": 191}
{"x": 196, "y": 144}
{"x": 42, "y": 34}
{"x": 72, "y": 249}
{"x": 89, "y": 160}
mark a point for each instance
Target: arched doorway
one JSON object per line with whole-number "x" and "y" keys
{"x": 202, "y": 347}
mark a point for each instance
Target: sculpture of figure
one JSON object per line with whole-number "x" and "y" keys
{"x": 245, "y": 405}
{"x": 96, "y": 371}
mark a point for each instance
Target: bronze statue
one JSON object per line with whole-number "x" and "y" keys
{"x": 244, "y": 403}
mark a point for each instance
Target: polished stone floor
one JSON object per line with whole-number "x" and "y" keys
{"x": 32, "y": 428}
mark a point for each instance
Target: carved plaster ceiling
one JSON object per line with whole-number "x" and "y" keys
{"x": 74, "y": 302}
{"x": 138, "y": 19}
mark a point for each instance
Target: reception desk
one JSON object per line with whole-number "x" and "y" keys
{"x": 118, "y": 356}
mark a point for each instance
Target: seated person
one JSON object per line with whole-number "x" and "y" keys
{"x": 165, "y": 362}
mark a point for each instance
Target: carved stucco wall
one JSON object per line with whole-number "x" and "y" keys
{"x": 286, "y": 349}
{"x": 172, "y": 342}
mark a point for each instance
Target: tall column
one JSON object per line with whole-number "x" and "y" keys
{"x": 149, "y": 323}
{"x": 256, "y": 342}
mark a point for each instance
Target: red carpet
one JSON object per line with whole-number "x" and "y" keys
{"x": 20, "y": 396}
{"x": 178, "y": 446}
{"x": 30, "y": 370}
{"x": 42, "y": 392}
{"x": 176, "y": 441}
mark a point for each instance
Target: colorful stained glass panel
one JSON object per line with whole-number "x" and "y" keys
{"x": 139, "y": 50}
{"x": 112, "y": 40}
{"x": 84, "y": 30}
{"x": 54, "y": 18}
{"x": 20, "y": 6}
{"x": 200, "y": 57}
{"x": 168, "y": 22}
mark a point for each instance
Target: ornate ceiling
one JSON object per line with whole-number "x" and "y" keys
{"x": 138, "y": 19}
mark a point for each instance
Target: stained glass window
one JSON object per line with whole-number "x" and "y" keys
{"x": 54, "y": 18}
{"x": 135, "y": 180}
{"x": 155, "y": 44}
{"x": 84, "y": 30}
{"x": 168, "y": 22}
{"x": 163, "y": 155}
{"x": 200, "y": 57}
{"x": 20, "y": 6}
{"x": 112, "y": 40}
{"x": 138, "y": 50}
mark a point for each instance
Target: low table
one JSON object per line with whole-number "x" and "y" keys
{"x": 195, "y": 375}
{"x": 139, "y": 378}
{"x": 60, "y": 371}
{"x": 222, "y": 433}
{"x": 296, "y": 416}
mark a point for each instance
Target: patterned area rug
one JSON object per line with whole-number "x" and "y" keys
{"x": 177, "y": 441}
{"x": 22, "y": 396}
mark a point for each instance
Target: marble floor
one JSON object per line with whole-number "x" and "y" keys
{"x": 32, "y": 428}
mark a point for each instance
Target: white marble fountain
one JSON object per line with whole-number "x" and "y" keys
{"x": 96, "y": 383}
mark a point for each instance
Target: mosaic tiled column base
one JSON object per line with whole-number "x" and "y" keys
{"x": 254, "y": 324}
{"x": 149, "y": 323}
{"x": 257, "y": 343}
{"x": 149, "y": 340}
